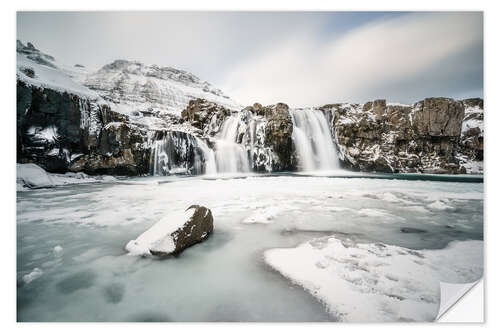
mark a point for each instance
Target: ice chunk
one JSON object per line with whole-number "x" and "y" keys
{"x": 58, "y": 251}
{"x": 33, "y": 275}
{"x": 439, "y": 205}
{"x": 33, "y": 176}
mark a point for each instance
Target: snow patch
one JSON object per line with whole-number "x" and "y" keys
{"x": 439, "y": 205}
{"x": 32, "y": 176}
{"x": 377, "y": 282}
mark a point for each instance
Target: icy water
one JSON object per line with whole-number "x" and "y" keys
{"x": 72, "y": 266}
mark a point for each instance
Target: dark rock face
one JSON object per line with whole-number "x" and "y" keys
{"x": 277, "y": 137}
{"x": 424, "y": 137}
{"x": 48, "y": 126}
{"x": 471, "y": 141}
{"x": 205, "y": 115}
{"x": 63, "y": 132}
{"x": 439, "y": 117}
{"x": 193, "y": 231}
{"x": 279, "y": 130}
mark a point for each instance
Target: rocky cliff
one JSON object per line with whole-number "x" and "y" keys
{"x": 435, "y": 135}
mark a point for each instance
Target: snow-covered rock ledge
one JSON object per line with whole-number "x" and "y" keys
{"x": 174, "y": 233}
{"x": 377, "y": 282}
{"x": 31, "y": 176}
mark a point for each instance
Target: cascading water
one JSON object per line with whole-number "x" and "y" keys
{"x": 209, "y": 156}
{"x": 178, "y": 152}
{"x": 230, "y": 156}
{"x": 313, "y": 140}
{"x": 240, "y": 146}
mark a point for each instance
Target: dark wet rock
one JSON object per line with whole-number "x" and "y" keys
{"x": 279, "y": 129}
{"x": 407, "y": 230}
{"x": 63, "y": 132}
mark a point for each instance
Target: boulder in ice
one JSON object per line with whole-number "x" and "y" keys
{"x": 174, "y": 233}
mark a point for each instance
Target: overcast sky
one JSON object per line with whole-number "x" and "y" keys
{"x": 299, "y": 58}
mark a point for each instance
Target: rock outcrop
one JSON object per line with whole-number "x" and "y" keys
{"x": 277, "y": 135}
{"x": 423, "y": 137}
{"x": 205, "y": 115}
{"x": 174, "y": 233}
{"x": 471, "y": 147}
{"x": 66, "y": 132}
{"x": 279, "y": 131}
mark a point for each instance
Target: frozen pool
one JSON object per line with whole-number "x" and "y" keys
{"x": 71, "y": 263}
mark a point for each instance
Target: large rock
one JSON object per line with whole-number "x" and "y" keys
{"x": 174, "y": 233}
{"x": 205, "y": 115}
{"x": 279, "y": 129}
{"x": 439, "y": 117}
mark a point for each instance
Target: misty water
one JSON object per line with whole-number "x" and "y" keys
{"x": 73, "y": 238}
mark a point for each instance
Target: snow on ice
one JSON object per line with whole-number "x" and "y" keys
{"x": 377, "y": 282}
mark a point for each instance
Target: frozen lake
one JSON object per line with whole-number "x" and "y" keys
{"x": 72, "y": 266}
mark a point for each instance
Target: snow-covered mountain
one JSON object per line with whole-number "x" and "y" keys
{"x": 131, "y": 87}
{"x": 148, "y": 94}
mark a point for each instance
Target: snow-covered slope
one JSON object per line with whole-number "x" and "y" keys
{"x": 131, "y": 87}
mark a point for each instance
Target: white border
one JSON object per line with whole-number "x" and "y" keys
{"x": 8, "y": 136}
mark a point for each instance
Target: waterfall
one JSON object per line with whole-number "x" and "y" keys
{"x": 178, "y": 152}
{"x": 239, "y": 146}
{"x": 230, "y": 156}
{"x": 313, "y": 140}
{"x": 209, "y": 155}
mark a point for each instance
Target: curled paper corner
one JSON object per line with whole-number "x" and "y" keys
{"x": 451, "y": 293}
